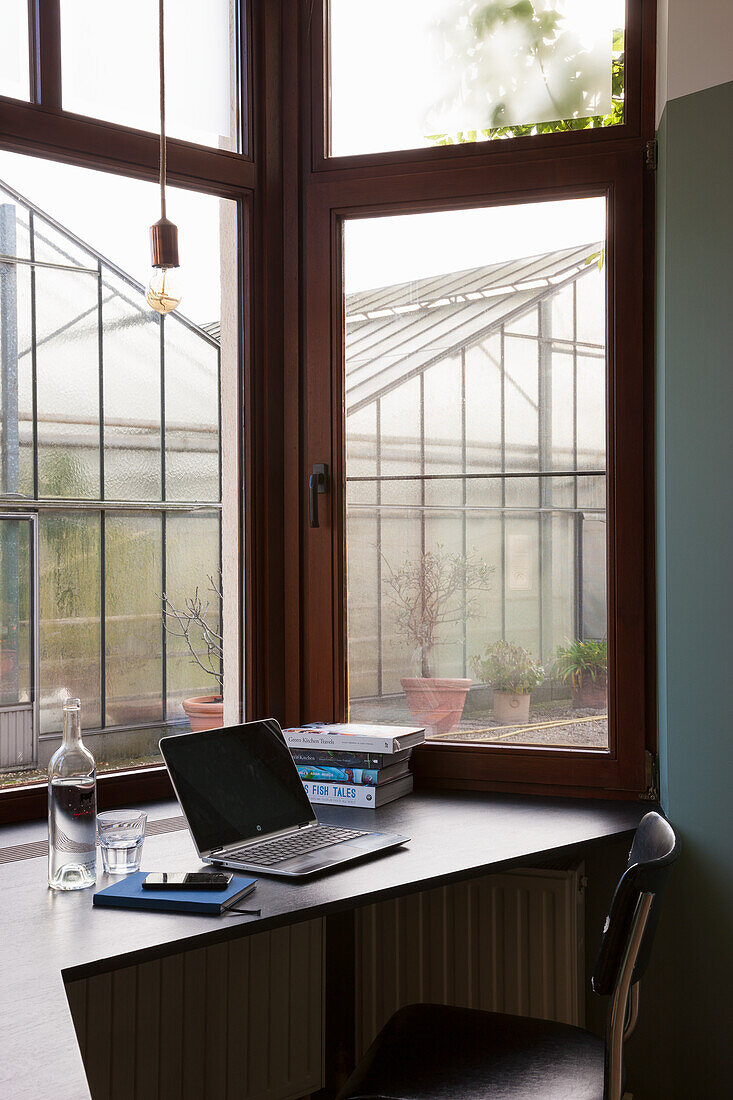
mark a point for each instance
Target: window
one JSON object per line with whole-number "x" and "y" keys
{"x": 111, "y": 439}
{"x": 109, "y": 64}
{"x": 14, "y": 53}
{"x": 454, "y": 71}
{"x": 120, "y": 494}
{"x": 415, "y": 248}
{"x": 475, "y": 379}
{"x": 475, "y": 469}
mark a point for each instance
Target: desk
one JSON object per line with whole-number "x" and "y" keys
{"x": 49, "y": 937}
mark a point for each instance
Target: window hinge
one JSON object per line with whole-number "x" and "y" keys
{"x": 651, "y": 794}
{"x": 650, "y": 155}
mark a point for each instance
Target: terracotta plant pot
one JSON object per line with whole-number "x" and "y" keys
{"x": 510, "y": 708}
{"x": 436, "y": 702}
{"x": 591, "y": 693}
{"x": 204, "y": 712}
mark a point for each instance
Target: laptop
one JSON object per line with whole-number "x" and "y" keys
{"x": 246, "y": 807}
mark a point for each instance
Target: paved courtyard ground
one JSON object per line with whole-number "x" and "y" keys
{"x": 554, "y": 723}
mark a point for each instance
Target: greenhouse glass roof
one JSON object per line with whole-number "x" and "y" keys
{"x": 394, "y": 333}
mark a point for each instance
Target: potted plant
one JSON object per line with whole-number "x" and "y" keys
{"x": 430, "y": 592}
{"x": 584, "y": 665}
{"x": 513, "y": 674}
{"x": 205, "y": 644}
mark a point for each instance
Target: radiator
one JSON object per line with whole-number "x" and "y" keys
{"x": 509, "y": 942}
{"x": 240, "y": 1019}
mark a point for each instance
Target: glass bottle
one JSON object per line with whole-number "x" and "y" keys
{"x": 72, "y": 809}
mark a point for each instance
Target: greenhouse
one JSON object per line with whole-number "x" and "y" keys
{"x": 476, "y": 429}
{"x": 109, "y": 489}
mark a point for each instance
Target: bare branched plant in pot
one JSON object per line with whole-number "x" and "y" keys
{"x": 430, "y": 593}
{"x": 200, "y": 626}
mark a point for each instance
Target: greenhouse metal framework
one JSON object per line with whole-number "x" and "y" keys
{"x": 476, "y": 422}
{"x": 111, "y": 440}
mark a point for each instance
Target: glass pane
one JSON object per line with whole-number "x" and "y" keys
{"x": 16, "y": 667}
{"x": 475, "y": 495}
{"x": 463, "y": 71}
{"x": 16, "y": 400}
{"x": 132, "y": 398}
{"x": 70, "y": 583}
{"x": 86, "y": 367}
{"x": 109, "y": 63}
{"x": 14, "y": 50}
{"x": 192, "y": 573}
{"x": 67, "y": 367}
{"x": 192, "y": 413}
{"x": 133, "y": 622}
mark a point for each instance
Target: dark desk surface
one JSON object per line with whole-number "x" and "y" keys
{"x": 48, "y": 937}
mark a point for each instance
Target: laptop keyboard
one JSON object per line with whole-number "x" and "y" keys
{"x": 269, "y": 852}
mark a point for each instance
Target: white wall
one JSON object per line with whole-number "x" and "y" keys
{"x": 694, "y": 47}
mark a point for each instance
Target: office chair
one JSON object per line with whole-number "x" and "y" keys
{"x": 438, "y": 1052}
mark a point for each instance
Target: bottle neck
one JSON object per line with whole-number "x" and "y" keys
{"x": 72, "y": 725}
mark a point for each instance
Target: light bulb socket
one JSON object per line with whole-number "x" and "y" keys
{"x": 164, "y": 244}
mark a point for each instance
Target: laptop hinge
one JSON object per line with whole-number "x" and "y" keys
{"x": 218, "y": 853}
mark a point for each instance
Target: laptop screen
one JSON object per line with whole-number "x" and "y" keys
{"x": 236, "y": 784}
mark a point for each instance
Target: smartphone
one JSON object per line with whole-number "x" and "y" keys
{"x": 187, "y": 880}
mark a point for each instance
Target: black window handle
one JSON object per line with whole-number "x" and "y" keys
{"x": 317, "y": 483}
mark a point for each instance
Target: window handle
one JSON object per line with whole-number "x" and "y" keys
{"x": 317, "y": 483}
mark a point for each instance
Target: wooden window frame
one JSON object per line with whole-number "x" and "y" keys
{"x": 42, "y": 128}
{"x": 292, "y": 595}
{"x": 611, "y": 162}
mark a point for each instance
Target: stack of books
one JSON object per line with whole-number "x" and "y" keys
{"x": 353, "y": 764}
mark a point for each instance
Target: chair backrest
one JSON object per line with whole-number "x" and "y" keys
{"x": 653, "y": 852}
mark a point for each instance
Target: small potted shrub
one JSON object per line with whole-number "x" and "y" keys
{"x": 433, "y": 591}
{"x": 513, "y": 674}
{"x": 193, "y": 622}
{"x": 584, "y": 665}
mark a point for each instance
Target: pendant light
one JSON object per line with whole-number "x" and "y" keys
{"x": 163, "y": 291}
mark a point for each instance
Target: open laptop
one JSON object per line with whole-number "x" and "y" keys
{"x": 246, "y": 808}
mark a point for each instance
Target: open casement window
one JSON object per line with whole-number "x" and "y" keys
{"x": 475, "y": 365}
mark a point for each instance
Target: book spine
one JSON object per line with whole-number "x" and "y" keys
{"x": 313, "y": 739}
{"x": 365, "y": 777}
{"x": 325, "y": 758}
{"x": 339, "y": 794}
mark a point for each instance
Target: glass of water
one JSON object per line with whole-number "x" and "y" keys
{"x": 121, "y": 835}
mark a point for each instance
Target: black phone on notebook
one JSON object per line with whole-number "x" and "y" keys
{"x": 187, "y": 880}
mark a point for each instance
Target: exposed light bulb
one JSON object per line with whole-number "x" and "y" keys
{"x": 164, "y": 291}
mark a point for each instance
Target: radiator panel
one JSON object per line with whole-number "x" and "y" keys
{"x": 242, "y": 1019}
{"x": 505, "y": 943}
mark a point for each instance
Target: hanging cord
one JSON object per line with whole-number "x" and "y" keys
{"x": 161, "y": 60}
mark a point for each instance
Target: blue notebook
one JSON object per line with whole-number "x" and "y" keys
{"x": 128, "y": 893}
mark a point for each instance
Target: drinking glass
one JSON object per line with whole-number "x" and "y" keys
{"x": 121, "y": 836}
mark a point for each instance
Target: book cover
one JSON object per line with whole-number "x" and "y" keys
{"x": 351, "y": 794}
{"x": 332, "y": 758}
{"x": 364, "y": 777}
{"x": 128, "y": 893}
{"x": 354, "y": 736}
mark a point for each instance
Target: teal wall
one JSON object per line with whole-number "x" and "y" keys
{"x": 684, "y": 1048}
